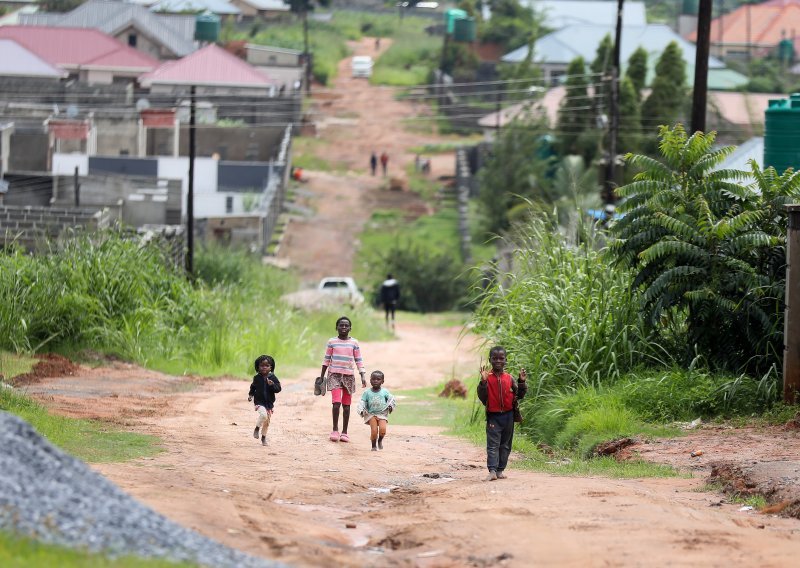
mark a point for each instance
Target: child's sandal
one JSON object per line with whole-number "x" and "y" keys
{"x": 344, "y": 438}
{"x": 334, "y": 437}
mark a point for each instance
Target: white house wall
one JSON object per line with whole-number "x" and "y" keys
{"x": 64, "y": 164}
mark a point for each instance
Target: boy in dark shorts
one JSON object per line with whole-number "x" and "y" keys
{"x": 262, "y": 393}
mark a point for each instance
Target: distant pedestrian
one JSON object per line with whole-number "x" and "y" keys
{"x": 499, "y": 393}
{"x": 263, "y": 388}
{"x": 342, "y": 357}
{"x": 384, "y": 162}
{"x": 375, "y": 407}
{"x": 377, "y": 43}
{"x": 373, "y": 162}
{"x": 390, "y": 294}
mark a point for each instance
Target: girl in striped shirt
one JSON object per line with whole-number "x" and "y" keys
{"x": 342, "y": 357}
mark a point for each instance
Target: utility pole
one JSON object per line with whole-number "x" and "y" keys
{"x": 791, "y": 339}
{"x": 306, "y": 54}
{"x": 190, "y": 197}
{"x": 613, "y": 130}
{"x": 700, "y": 91}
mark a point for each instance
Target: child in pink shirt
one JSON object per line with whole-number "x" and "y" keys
{"x": 342, "y": 357}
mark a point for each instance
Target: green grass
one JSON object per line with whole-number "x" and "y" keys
{"x": 304, "y": 155}
{"x": 18, "y": 552}
{"x": 440, "y": 319}
{"x": 13, "y": 364}
{"x": 88, "y": 440}
{"x": 465, "y": 418}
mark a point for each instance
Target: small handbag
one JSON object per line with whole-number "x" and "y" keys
{"x": 320, "y": 386}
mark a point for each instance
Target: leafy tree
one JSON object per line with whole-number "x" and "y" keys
{"x": 511, "y": 24}
{"x": 302, "y": 8}
{"x": 637, "y": 70}
{"x": 669, "y": 96}
{"x": 575, "y": 113}
{"x": 516, "y": 171}
{"x": 708, "y": 252}
{"x": 600, "y": 68}
{"x": 459, "y": 59}
{"x": 432, "y": 280}
{"x": 602, "y": 59}
{"x": 630, "y": 123}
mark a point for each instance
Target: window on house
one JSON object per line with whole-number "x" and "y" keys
{"x": 229, "y": 204}
{"x": 132, "y": 40}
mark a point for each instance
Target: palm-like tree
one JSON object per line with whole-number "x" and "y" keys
{"x": 707, "y": 248}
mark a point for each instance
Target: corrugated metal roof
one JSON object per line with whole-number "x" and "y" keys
{"x": 111, "y": 17}
{"x": 562, "y": 13}
{"x": 16, "y": 60}
{"x": 269, "y": 5}
{"x": 564, "y": 45}
{"x": 212, "y": 66}
{"x": 222, "y": 7}
{"x": 756, "y": 24}
{"x": 73, "y": 47}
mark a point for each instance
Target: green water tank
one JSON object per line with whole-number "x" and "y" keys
{"x": 690, "y": 7}
{"x": 450, "y": 17}
{"x": 782, "y": 133}
{"x": 464, "y": 29}
{"x": 786, "y": 51}
{"x": 206, "y": 27}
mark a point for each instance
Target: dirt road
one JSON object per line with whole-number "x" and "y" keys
{"x": 420, "y": 502}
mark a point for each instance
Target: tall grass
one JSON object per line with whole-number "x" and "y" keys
{"x": 564, "y": 314}
{"x": 117, "y": 297}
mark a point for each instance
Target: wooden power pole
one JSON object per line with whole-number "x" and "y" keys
{"x": 700, "y": 92}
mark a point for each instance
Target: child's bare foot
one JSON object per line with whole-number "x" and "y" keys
{"x": 263, "y": 440}
{"x": 492, "y": 476}
{"x": 255, "y": 433}
{"x": 380, "y": 444}
{"x": 374, "y": 449}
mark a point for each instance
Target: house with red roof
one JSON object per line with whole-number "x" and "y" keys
{"x": 754, "y": 29}
{"x": 213, "y": 71}
{"x": 86, "y": 54}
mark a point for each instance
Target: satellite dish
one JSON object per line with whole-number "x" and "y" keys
{"x": 72, "y": 111}
{"x": 142, "y": 104}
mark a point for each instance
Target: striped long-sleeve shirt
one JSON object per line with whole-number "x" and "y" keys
{"x": 342, "y": 355}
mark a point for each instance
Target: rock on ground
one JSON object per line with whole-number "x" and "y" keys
{"x": 55, "y": 498}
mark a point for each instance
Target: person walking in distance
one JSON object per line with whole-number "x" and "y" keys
{"x": 373, "y": 162}
{"x": 384, "y": 162}
{"x": 342, "y": 356}
{"x": 390, "y": 294}
{"x": 262, "y": 393}
{"x": 499, "y": 393}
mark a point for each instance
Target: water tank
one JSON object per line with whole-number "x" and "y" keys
{"x": 450, "y": 17}
{"x": 464, "y": 29}
{"x": 690, "y": 7}
{"x": 782, "y": 133}
{"x": 206, "y": 27}
{"x": 786, "y": 51}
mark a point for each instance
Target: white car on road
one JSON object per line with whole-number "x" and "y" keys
{"x": 343, "y": 287}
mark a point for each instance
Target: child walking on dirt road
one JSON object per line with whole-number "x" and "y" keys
{"x": 375, "y": 407}
{"x": 499, "y": 393}
{"x": 263, "y": 388}
{"x": 342, "y": 356}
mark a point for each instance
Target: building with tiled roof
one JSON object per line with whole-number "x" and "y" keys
{"x": 754, "y": 29}
{"x": 163, "y": 36}
{"x": 212, "y": 70}
{"x": 17, "y": 61}
{"x": 87, "y": 54}
{"x": 558, "y": 14}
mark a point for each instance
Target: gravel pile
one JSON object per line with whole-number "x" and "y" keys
{"x": 57, "y": 499}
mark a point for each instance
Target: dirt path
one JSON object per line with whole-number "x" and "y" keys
{"x": 353, "y": 119}
{"x": 421, "y": 501}
{"x": 295, "y": 499}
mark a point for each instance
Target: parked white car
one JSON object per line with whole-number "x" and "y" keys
{"x": 362, "y": 66}
{"x": 343, "y": 287}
